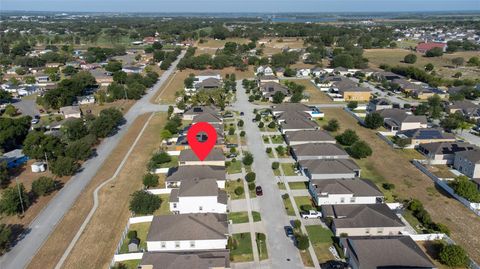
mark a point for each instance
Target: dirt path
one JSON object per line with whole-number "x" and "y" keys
{"x": 409, "y": 182}
{"x": 109, "y": 220}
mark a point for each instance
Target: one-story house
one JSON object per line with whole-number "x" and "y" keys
{"x": 443, "y": 152}
{"x": 308, "y": 136}
{"x": 464, "y": 107}
{"x": 71, "y": 112}
{"x": 297, "y": 107}
{"x": 207, "y": 117}
{"x": 269, "y": 89}
{"x": 355, "y": 93}
{"x": 190, "y": 113}
{"x": 329, "y": 168}
{"x": 400, "y": 120}
{"x": 188, "y": 232}
{"x": 363, "y": 219}
{"x": 344, "y": 191}
{"x": 14, "y": 158}
{"x": 384, "y": 252}
{"x": 214, "y": 158}
{"x": 298, "y": 124}
{"x": 416, "y": 137}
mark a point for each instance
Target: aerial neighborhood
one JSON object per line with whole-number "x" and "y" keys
{"x": 332, "y": 141}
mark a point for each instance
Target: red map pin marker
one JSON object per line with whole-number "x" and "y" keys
{"x": 202, "y": 149}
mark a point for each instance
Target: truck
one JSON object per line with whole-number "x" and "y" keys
{"x": 311, "y": 214}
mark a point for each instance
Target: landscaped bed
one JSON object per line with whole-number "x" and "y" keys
{"x": 288, "y": 206}
{"x": 230, "y": 187}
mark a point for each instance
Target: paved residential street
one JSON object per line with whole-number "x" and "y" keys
{"x": 39, "y": 230}
{"x": 381, "y": 94}
{"x": 282, "y": 252}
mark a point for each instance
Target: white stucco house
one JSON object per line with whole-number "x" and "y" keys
{"x": 198, "y": 196}
{"x": 344, "y": 191}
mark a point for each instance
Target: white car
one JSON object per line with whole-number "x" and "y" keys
{"x": 35, "y": 121}
{"x": 311, "y": 214}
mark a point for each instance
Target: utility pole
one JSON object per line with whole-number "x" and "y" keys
{"x": 46, "y": 160}
{"x": 20, "y": 196}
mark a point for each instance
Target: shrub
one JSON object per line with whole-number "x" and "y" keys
{"x": 238, "y": 191}
{"x": 261, "y": 125}
{"x": 373, "y": 120}
{"x": 272, "y": 125}
{"x": 347, "y": 138}
{"x": 240, "y": 123}
{"x": 132, "y": 234}
{"x": 360, "y": 149}
{"x": 410, "y": 58}
{"x": 144, "y": 203}
{"x": 302, "y": 242}
{"x": 352, "y": 105}
{"x": 251, "y": 186}
{"x": 275, "y": 165}
{"x": 231, "y": 131}
{"x": 242, "y": 133}
{"x": 43, "y": 186}
{"x": 247, "y": 159}
{"x": 466, "y": 188}
{"x": 296, "y": 224}
{"x": 388, "y": 186}
{"x": 250, "y": 176}
{"x": 260, "y": 236}
{"x": 285, "y": 196}
{"x": 280, "y": 150}
{"x": 150, "y": 180}
{"x": 306, "y": 207}
{"x": 332, "y": 125}
{"x": 158, "y": 159}
{"x": 65, "y": 166}
{"x": 453, "y": 256}
{"x": 269, "y": 150}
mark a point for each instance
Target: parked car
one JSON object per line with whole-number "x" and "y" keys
{"x": 232, "y": 155}
{"x": 334, "y": 265}
{"x": 288, "y": 231}
{"x": 34, "y": 121}
{"x": 254, "y": 120}
{"x": 241, "y": 113}
{"x": 259, "y": 191}
{"x": 228, "y": 115}
{"x": 311, "y": 214}
{"x": 231, "y": 145}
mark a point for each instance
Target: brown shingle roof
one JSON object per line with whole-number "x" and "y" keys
{"x": 201, "y": 226}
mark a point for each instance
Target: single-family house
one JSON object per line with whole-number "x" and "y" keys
{"x": 355, "y": 93}
{"x": 190, "y": 113}
{"x": 386, "y": 75}
{"x": 198, "y": 196}
{"x": 265, "y": 79}
{"x": 218, "y": 259}
{"x": 384, "y": 252}
{"x": 406, "y": 86}
{"x": 329, "y": 168}
{"x": 400, "y": 120}
{"x": 185, "y": 173}
{"x": 317, "y": 71}
{"x": 87, "y": 99}
{"x": 423, "y": 47}
{"x": 308, "y": 136}
{"x": 209, "y": 83}
{"x": 363, "y": 219}
{"x": 293, "y": 115}
{"x": 264, "y": 70}
{"x": 132, "y": 69}
{"x": 214, "y": 158}
{"x": 464, "y": 107}
{"x": 297, "y": 107}
{"x": 206, "y": 75}
{"x": 304, "y": 72}
{"x": 71, "y": 112}
{"x": 425, "y": 93}
{"x": 416, "y": 137}
{"x": 188, "y": 232}
{"x": 14, "y": 158}
{"x": 344, "y": 191}
{"x": 279, "y": 71}
{"x": 443, "y": 152}
{"x": 207, "y": 117}
{"x": 468, "y": 163}
{"x": 316, "y": 151}
{"x": 379, "y": 104}
{"x": 298, "y": 124}
{"x": 269, "y": 89}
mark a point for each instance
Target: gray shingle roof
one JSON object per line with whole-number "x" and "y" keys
{"x": 358, "y": 187}
{"x": 330, "y": 166}
{"x": 442, "y": 148}
{"x": 309, "y": 135}
{"x": 190, "y": 172}
{"x": 426, "y": 133}
{"x": 362, "y": 216}
{"x": 195, "y": 110}
{"x": 288, "y": 107}
{"x": 201, "y": 226}
{"x": 471, "y": 155}
{"x": 318, "y": 149}
{"x": 399, "y": 116}
{"x": 270, "y": 88}
{"x": 198, "y": 187}
{"x": 289, "y": 124}
{"x": 387, "y": 252}
{"x": 187, "y": 155}
{"x": 207, "y": 117}
{"x": 187, "y": 260}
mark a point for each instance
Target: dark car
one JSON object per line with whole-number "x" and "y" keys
{"x": 259, "y": 191}
{"x": 241, "y": 114}
{"x": 334, "y": 265}
{"x": 230, "y": 145}
{"x": 288, "y": 231}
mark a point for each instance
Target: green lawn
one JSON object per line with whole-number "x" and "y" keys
{"x": 262, "y": 249}
{"x": 321, "y": 239}
{"x": 302, "y": 200}
{"x": 242, "y": 250}
{"x": 164, "y": 207}
{"x": 298, "y": 185}
{"x": 281, "y": 185}
{"x": 242, "y": 217}
{"x": 271, "y": 154}
{"x": 407, "y": 214}
{"x": 131, "y": 264}
{"x": 277, "y": 139}
{"x": 230, "y": 187}
{"x": 288, "y": 207}
{"x": 172, "y": 163}
{"x": 142, "y": 231}
{"x": 265, "y": 139}
{"x": 234, "y": 167}
{"x": 288, "y": 169}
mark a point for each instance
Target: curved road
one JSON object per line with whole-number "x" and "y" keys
{"x": 41, "y": 227}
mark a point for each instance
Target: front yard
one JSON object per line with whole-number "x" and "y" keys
{"x": 241, "y": 247}
{"x": 234, "y": 167}
{"x": 242, "y": 217}
{"x": 321, "y": 239}
{"x": 298, "y": 185}
{"x": 230, "y": 187}
{"x": 303, "y": 201}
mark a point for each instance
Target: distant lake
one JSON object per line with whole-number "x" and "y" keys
{"x": 301, "y": 20}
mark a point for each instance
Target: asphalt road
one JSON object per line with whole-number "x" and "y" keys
{"x": 44, "y": 224}
{"x": 281, "y": 250}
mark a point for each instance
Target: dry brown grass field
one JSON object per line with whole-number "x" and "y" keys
{"x": 97, "y": 244}
{"x": 443, "y": 65}
{"x": 394, "y": 166}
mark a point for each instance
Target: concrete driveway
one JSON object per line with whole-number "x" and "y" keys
{"x": 39, "y": 230}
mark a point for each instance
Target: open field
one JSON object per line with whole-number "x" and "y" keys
{"x": 275, "y": 45}
{"x": 123, "y": 105}
{"x": 443, "y": 64}
{"x": 96, "y": 246}
{"x": 392, "y": 166}
{"x": 210, "y": 45}
{"x": 175, "y": 82}
{"x": 316, "y": 96}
